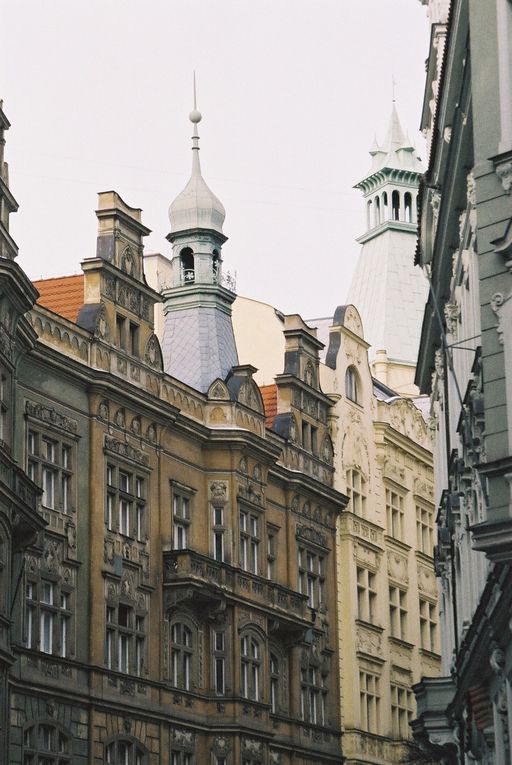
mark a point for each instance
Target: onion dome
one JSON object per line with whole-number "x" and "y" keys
{"x": 196, "y": 206}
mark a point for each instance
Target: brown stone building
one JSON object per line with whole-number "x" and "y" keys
{"x": 179, "y": 605}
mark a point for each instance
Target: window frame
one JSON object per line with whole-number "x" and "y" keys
{"x": 249, "y": 527}
{"x": 369, "y": 700}
{"x": 182, "y": 655}
{"x": 311, "y": 564}
{"x": 49, "y": 619}
{"x": 54, "y": 470}
{"x": 395, "y": 512}
{"x": 367, "y": 594}
{"x": 251, "y": 657}
{"x": 357, "y": 489}
{"x": 182, "y": 511}
{"x": 126, "y": 500}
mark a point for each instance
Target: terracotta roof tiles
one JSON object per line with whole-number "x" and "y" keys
{"x": 269, "y": 395}
{"x": 63, "y": 295}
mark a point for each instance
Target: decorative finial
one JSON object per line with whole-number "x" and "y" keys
{"x": 393, "y": 86}
{"x": 195, "y": 115}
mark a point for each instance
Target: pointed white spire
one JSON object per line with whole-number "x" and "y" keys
{"x": 397, "y": 150}
{"x": 196, "y": 206}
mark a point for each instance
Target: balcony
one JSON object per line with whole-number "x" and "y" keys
{"x": 201, "y": 579}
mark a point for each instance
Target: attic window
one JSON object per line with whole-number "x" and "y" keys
{"x": 352, "y": 385}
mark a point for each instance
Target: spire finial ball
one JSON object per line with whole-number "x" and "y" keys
{"x": 195, "y": 116}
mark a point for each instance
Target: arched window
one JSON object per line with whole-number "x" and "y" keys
{"x": 377, "y": 211}
{"x": 352, "y": 385}
{"x": 385, "y": 210}
{"x": 182, "y": 651}
{"x": 250, "y": 667}
{"x": 395, "y": 204}
{"x": 45, "y": 744}
{"x": 187, "y": 266}
{"x": 408, "y": 207}
{"x": 369, "y": 214}
{"x": 124, "y": 752}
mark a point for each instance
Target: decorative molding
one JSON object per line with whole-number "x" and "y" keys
{"x": 397, "y": 567}
{"x": 368, "y": 641}
{"x": 183, "y": 739}
{"x": 496, "y": 302}
{"x": 311, "y": 535}
{"x": 218, "y": 491}
{"x": 123, "y": 449}
{"x": 50, "y": 416}
{"x": 504, "y": 173}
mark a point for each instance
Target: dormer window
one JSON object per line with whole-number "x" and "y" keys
{"x": 188, "y": 275}
{"x": 352, "y": 385}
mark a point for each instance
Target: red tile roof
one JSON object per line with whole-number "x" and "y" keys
{"x": 269, "y": 395}
{"x": 62, "y": 294}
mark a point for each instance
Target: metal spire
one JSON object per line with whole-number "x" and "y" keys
{"x": 195, "y": 117}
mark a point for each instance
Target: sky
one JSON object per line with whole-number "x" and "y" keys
{"x": 292, "y": 93}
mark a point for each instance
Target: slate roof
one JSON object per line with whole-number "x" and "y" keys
{"x": 63, "y": 295}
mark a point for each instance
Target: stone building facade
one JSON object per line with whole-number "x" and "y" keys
{"x": 172, "y": 560}
{"x": 388, "y": 630}
{"x": 464, "y": 364}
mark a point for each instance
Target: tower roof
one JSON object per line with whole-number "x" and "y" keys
{"x": 196, "y": 206}
{"x": 397, "y": 151}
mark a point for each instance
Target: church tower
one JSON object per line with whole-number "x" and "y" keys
{"x": 387, "y": 289}
{"x": 198, "y": 341}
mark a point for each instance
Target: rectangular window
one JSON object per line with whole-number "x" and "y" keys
{"x": 369, "y": 695}
{"x": 271, "y": 552}
{"x": 425, "y": 530}
{"x": 50, "y": 465}
{"x": 218, "y": 533}
{"x": 395, "y": 514}
{"x": 124, "y": 653}
{"x": 398, "y": 613}
{"x": 181, "y": 521}
{"x": 125, "y": 503}
{"x": 249, "y": 541}
{"x": 124, "y": 516}
{"x": 366, "y": 594}
{"x": 428, "y": 625}
{"x": 311, "y": 576}
{"x": 121, "y": 332}
{"x": 401, "y": 711}
{"x": 46, "y": 631}
{"x": 356, "y": 489}
{"x": 219, "y": 657}
{"x": 48, "y": 487}
{"x": 4, "y": 406}
{"x": 134, "y": 339}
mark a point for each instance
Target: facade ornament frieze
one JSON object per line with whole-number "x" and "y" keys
{"x": 50, "y": 416}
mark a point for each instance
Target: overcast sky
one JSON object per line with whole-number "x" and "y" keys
{"x": 291, "y": 91}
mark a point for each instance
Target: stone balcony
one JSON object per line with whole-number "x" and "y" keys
{"x": 201, "y": 579}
